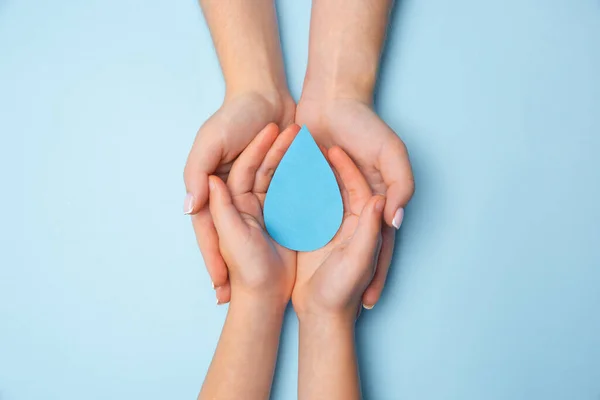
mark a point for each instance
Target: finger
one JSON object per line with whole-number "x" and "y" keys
{"x": 397, "y": 174}
{"x": 243, "y": 172}
{"x": 223, "y": 294}
{"x": 208, "y": 241}
{"x": 271, "y": 161}
{"x": 226, "y": 218}
{"x": 373, "y": 292}
{"x": 203, "y": 160}
{"x": 355, "y": 184}
{"x": 364, "y": 241}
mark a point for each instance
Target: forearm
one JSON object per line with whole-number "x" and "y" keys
{"x": 327, "y": 360}
{"x": 246, "y": 39}
{"x": 243, "y": 364}
{"x": 346, "y": 40}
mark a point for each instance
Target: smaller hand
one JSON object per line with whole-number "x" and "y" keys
{"x": 257, "y": 265}
{"x": 330, "y": 281}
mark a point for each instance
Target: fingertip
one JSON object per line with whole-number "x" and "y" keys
{"x": 189, "y": 204}
{"x": 292, "y": 127}
{"x": 215, "y": 185}
{"x": 398, "y": 195}
{"x": 370, "y": 298}
{"x": 378, "y": 203}
{"x": 212, "y": 182}
{"x": 196, "y": 195}
{"x": 270, "y": 131}
{"x": 218, "y": 273}
{"x": 335, "y": 152}
{"x": 223, "y": 293}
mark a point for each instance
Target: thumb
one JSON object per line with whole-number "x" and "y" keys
{"x": 226, "y": 217}
{"x": 203, "y": 160}
{"x": 365, "y": 241}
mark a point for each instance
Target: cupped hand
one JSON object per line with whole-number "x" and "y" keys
{"x": 379, "y": 154}
{"x": 257, "y": 265}
{"x": 330, "y": 281}
{"x": 218, "y": 144}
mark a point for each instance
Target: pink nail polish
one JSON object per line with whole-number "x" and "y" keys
{"x": 398, "y": 217}
{"x": 188, "y": 204}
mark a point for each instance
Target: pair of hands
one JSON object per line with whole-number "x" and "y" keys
{"x": 350, "y": 124}
{"x": 329, "y": 281}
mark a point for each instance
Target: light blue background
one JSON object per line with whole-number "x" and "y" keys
{"x": 495, "y": 288}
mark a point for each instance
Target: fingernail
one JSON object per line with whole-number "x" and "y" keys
{"x": 188, "y": 204}
{"x": 398, "y": 217}
{"x": 366, "y": 307}
{"x": 218, "y": 302}
{"x": 213, "y": 285}
{"x": 211, "y": 184}
{"x": 379, "y": 205}
{"x": 358, "y": 313}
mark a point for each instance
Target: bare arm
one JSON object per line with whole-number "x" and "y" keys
{"x": 246, "y": 38}
{"x": 346, "y": 39}
{"x": 328, "y": 366}
{"x": 243, "y": 364}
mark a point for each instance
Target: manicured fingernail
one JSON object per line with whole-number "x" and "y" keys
{"x": 218, "y": 302}
{"x": 366, "y": 307}
{"x": 379, "y": 205}
{"x": 213, "y": 285}
{"x": 398, "y": 217}
{"x": 211, "y": 184}
{"x": 188, "y": 204}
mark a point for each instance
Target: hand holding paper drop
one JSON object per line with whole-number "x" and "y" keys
{"x": 303, "y": 207}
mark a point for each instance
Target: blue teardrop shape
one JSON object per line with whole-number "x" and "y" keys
{"x": 303, "y": 207}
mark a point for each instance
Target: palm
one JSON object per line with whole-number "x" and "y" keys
{"x": 229, "y": 130}
{"x": 317, "y": 280}
{"x": 248, "y": 182}
{"x": 357, "y": 129}
{"x": 219, "y": 142}
{"x": 379, "y": 154}
{"x": 264, "y": 249}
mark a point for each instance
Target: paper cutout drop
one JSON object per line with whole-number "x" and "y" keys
{"x": 303, "y": 206}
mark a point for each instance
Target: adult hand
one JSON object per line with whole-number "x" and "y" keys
{"x": 379, "y": 154}
{"x": 218, "y": 144}
{"x": 330, "y": 281}
{"x": 259, "y": 268}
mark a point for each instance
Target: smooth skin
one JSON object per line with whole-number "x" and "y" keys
{"x": 261, "y": 272}
{"x": 246, "y": 38}
{"x": 326, "y": 292}
{"x": 346, "y": 41}
{"x": 330, "y": 283}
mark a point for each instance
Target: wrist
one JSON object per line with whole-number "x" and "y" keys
{"x": 326, "y": 329}
{"x": 330, "y": 320}
{"x": 323, "y": 86}
{"x": 266, "y": 86}
{"x": 263, "y": 305}
{"x": 279, "y": 102}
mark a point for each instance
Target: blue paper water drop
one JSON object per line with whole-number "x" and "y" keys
{"x": 303, "y": 207}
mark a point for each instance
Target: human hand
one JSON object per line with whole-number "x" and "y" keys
{"x": 258, "y": 266}
{"x": 330, "y": 281}
{"x": 218, "y": 144}
{"x": 379, "y": 154}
